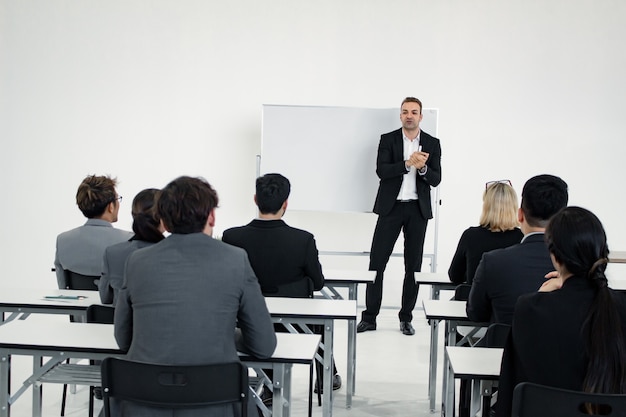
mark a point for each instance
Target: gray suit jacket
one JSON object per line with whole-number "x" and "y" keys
{"x": 113, "y": 265}
{"x": 180, "y": 304}
{"x": 81, "y": 249}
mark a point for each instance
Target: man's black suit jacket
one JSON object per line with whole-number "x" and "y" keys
{"x": 390, "y": 169}
{"x": 505, "y": 274}
{"x": 280, "y": 255}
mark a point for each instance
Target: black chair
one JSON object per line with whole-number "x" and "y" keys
{"x": 534, "y": 400}
{"x": 174, "y": 386}
{"x": 497, "y": 335}
{"x": 76, "y": 281}
{"x": 461, "y": 292}
{"x": 96, "y": 313}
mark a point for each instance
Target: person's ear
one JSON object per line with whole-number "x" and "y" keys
{"x": 520, "y": 215}
{"x": 211, "y": 219}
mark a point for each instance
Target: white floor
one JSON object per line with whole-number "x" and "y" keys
{"x": 391, "y": 380}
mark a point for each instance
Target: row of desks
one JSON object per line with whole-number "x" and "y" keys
{"x": 283, "y": 310}
{"x": 59, "y": 341}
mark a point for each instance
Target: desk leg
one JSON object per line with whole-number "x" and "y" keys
{"x": 448, "y": 378}
{"x": 351, "y": 362}
{"x": 37, "y": 388}
{"x": 327, "y": 396}
{"x": 350, "y": 389}
{"x": 432, "y": 366}
{"x": 277, "y": 389}
{"x": 5, "y": 382}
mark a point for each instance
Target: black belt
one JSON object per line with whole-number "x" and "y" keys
{"x": 406, "y": 201}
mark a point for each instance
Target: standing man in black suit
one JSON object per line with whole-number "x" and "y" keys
{"x": 408, "y": 164}
{"x": 505, "y": 274}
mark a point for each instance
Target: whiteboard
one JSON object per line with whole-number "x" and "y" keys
{"x": 329, "y": 153}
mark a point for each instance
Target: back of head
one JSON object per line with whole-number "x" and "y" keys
{"x": 146, "y": 220}
{"x": 185, "y": 204}
{"x": 499, "y": 208}
{"x": 272, "y": 190}
{"x": 94, "y": 194}
{"x": 576, "y": 239}
{"x": 542, "y": 197}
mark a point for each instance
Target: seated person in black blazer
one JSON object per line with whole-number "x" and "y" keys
{"x": 498, "y": 228}
{"x": 570, "y": 334}
{"x": 505, "y": 274}
{"x": 284, "y": 259}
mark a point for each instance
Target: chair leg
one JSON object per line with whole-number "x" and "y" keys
{"x": 64, "y": 397}
{"x": 63, "y": 400}
{"x": 91, "y": 395}
{"x": 318, "y": 377}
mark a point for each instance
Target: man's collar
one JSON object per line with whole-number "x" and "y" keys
{"x": 531, "y": 234}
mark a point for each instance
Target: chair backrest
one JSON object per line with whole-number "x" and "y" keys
{"x": 497, "y": 334}
{"x": 98, "y": 313}
{"x": 76, "y": 281}
{"x": 534, "y": 400}
{"x": 302, "y": 288}
{"x": 461, "y": 292}
{"x": 174, "y": 386}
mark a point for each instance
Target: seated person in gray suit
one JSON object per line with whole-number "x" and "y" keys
{"x": 284, "y": 259}
{"x": 148, "y": 230}
{"x": 81, "y": 249}
{"x": 183, "y": 297}
{"x": 505, "y": 274}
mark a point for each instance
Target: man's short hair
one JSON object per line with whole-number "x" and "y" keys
{"x": 542, "y": 197}
{"x": 271, "y": 192}
{"x": 412, "y": 100}
{"x": 94, "y": 195}
{"x": 185, "y": 204}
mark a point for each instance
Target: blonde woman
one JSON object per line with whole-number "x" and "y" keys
{"x": 499, "y": 228}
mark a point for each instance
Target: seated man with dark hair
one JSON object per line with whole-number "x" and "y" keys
{"x": 184, "y": 296}
{"x": 284, "y": 259}
{"x": 80, "y": 250}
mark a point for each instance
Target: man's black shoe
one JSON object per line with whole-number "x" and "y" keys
{"x": 336, "y": 384}
{"x": 407, "y": 328}
{"x": 365, "y": 326}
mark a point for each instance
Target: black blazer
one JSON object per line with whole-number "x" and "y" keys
{"x": 546, "y": 345}
{"x": 390, "y": 169}
{"x": 505, "y": 274}
{"x": 280, "y": 255}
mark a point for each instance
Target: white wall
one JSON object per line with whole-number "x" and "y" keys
{"x": 148, "y": 90}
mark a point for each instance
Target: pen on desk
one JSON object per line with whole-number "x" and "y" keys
{"x": 65, "y": 297}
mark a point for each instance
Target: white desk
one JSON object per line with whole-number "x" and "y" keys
{"x": 617, "y": 257}
{"x": 350, "y": 279}
{"x": 26, "y": 301}
{"x": 437, "y": 282}
{"x": 345, "y": 278}
{"x": 303, "y": 311}
{"x": 453, "y": 312}
{"x": 60, "y": 341}
{"x": 474, "y": 363}
{"x": 299, "y": 311}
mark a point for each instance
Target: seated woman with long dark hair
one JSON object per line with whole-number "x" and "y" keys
{"x": 148, "y": 230}
{"x": 570, "y": 334}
